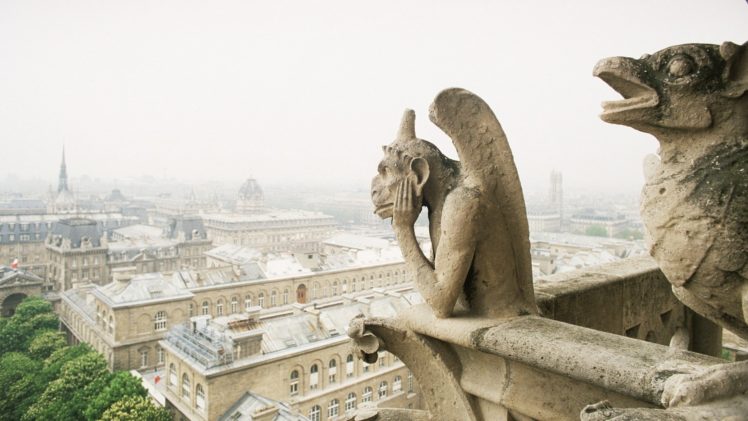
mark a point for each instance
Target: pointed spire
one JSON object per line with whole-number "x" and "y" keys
{"x": 407, "y": 127}
{"x": 63, "y": 179}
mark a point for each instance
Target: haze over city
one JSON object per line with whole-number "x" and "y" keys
{"x": 288, "y": 91}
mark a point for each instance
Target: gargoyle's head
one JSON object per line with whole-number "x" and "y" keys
{"x": 690, "y": 86}
{"x": 409, "y": 158}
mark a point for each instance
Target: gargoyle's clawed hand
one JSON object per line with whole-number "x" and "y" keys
{"x": 407, "y": 204}
{"x": 713, "y": 383}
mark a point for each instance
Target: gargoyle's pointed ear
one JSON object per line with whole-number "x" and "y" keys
{"x": 421, "y": 171}
{"x": 736, "y": 68}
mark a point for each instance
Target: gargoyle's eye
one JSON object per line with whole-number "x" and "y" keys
{"x": 680, "y": 66}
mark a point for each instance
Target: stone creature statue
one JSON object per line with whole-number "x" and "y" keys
{"x": 480, "y": 263}
{"x": 694, "y": 99}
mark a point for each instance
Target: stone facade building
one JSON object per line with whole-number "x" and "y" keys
{"x": 125, "y": 319}
{"x": 302, "y": 357}
{"x": 78, "y": 252}
{"x": 23, "y": 237}
{"x": 15, "y": 285}
{"x": 276, "y": 230}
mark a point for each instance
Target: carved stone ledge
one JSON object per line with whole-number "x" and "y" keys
{"x": 530, "y": 367}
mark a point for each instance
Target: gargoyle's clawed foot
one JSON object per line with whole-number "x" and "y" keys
{"x": 711, "y": 384}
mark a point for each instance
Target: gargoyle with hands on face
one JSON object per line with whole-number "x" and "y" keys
{"x": 477, "y": 220}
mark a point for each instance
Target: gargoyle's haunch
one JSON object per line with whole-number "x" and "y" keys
{"x": 477, "y": 219}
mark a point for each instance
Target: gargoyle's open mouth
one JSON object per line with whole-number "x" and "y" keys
{"x": 621, "y": 73}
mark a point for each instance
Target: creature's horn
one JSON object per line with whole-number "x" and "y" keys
{"x": 407, "y": 127}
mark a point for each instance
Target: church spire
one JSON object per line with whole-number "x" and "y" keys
{"x": 63, "y": 180}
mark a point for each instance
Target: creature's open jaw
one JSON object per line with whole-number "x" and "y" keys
{"x": 620, "y": 73}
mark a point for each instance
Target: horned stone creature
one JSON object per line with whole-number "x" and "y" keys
{"x": 693, "y": 98}
{"x": 480, "y": 264}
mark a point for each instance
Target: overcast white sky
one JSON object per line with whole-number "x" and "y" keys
{"x": 311, "y": 89}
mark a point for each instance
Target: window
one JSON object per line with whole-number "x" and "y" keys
{"x": 335, "y": 288}
{"x": 314, "y": 291}
{"x": 332, "y": 371}
{"x": 234, "y": 305}
{"x": 199, "y": 397}
{"x": 172, "y": 375}
{"x": 410, "y": 382}
{"x": 159, "y": 322}
{"x": 247, "y": 302}
{"x": 380, "y": 357}
{"x": 206, "y": 308}
{"x": 314, "y": 413}
{"x": 273, "y": 299}
{"x": 160, "y": 355}
{"x": 332, "y": 409}
{"x": 349, "y": 365}
{"x": 397, "y": 385}
{"x": 185, "y": 386}
{"x": 192, "y": 309}
{"x": 382, "y": 390}
{"x": 261, "y": 299}
{"x": 144, "y": 358}
{"x": 294, "y": 385}
{"x": 350, "y": 402}
{"x": 285, "y": 296}
{"x": 219, "y": 307}
{"x": 313, "y": 377}
{"x": 366, "y": 366}
{"x": 367, "y": 394}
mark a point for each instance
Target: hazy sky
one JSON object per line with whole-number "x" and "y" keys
{"x": 311, "y": 89}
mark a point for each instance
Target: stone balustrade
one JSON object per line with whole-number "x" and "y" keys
{"x": 603, "y": 335}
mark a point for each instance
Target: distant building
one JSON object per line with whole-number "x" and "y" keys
{"x": 64, "y": 200}
{"x": 15, "y": 285}
{"x": 550, "y": 222}
{"x": 79, "y": 252}
{"x": 612, "y": 223}
{"x": 272, "y": 230}
{"x": 556, "y": 194}
{"x": 76, "y": 252}
{"x": 251, "y": 199}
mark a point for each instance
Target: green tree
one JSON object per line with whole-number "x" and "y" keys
{"x": 67, "y": 396}
{"x": 53, "y": 365}
{"x": 31, "y": 307}
{"x": 43, "y": 344}
{"x": 122, "y": 385}
{"x": 135, "y": 408}
{"x": 596, "y": 231}
{"x": 21, "y": 385}
{"x": 32, "y": 315}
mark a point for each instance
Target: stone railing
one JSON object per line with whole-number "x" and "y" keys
{"x": 604, "y": 336}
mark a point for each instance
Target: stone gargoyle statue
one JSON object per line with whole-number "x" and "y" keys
{"x": 694, "y": 99}
{"x": 480, "y": 264}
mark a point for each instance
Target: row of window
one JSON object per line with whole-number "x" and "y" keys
{"x": 186, "y": 390}
{"x": 332, "y": 373}
{"x": 351, "y": 400}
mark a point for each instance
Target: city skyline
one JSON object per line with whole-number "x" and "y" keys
{"x": 285, "y": 92}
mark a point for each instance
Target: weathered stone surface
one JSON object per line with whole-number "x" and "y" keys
{"x": 693, "y": 99}
{"x": 695, "y": 202}
{"x": 477, "y": 220}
